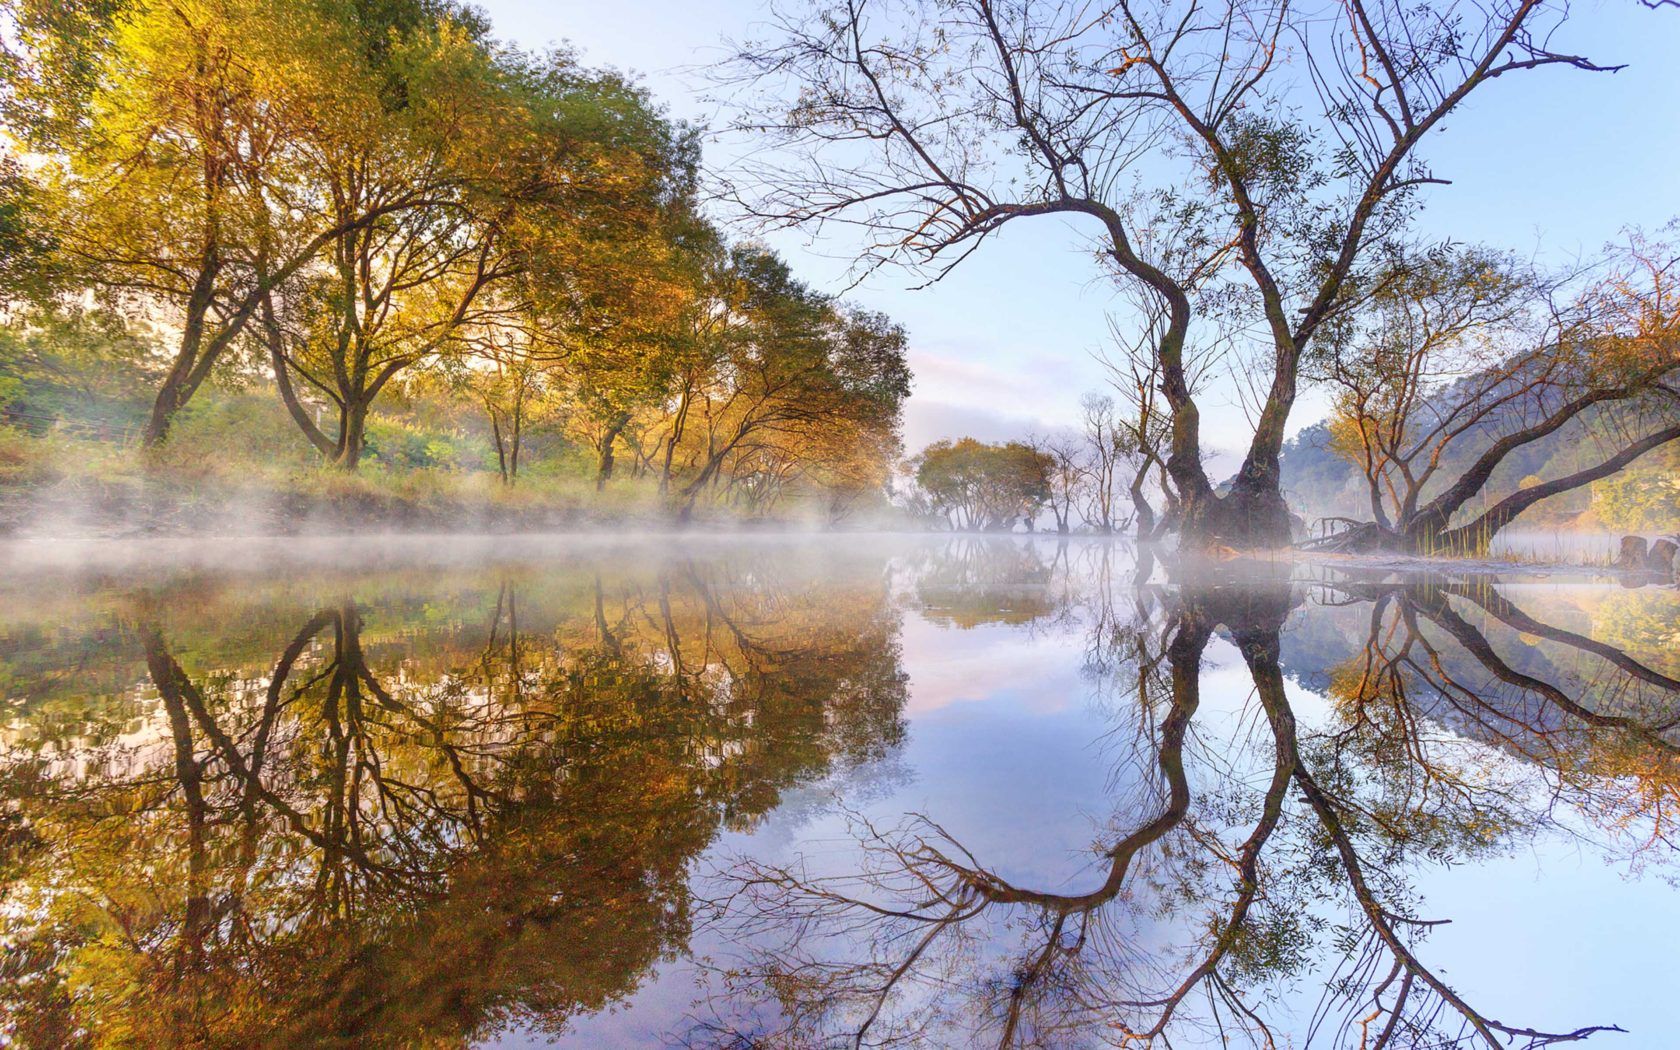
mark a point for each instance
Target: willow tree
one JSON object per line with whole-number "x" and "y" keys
{"x": 1219, "y": 880}
{"x": 1248, "y": 141}
{"x": 323, "y": 822}
{"x": 618, "y": 264}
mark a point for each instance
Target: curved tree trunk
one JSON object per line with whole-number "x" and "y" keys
{"x": 1475, "y": 534}
{"x": 1253, "y": 515}
{"x": 1429, "y": 530}
{"x": 275, "y": 338}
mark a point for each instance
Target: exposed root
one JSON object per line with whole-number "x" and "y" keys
{"x": 1356, "y": 537}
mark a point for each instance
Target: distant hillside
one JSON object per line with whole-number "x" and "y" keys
{"x": 1318, "y": 483}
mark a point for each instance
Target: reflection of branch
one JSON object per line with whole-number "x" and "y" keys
{"x": 176, "y": 687}
{"x": 1502, "y": 608}
{"x": 922, "y": 902}
{"x": 945, "y": 886}
{"x": 1476, "y": 644}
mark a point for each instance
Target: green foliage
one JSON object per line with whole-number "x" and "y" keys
{"x": 87, "y": 370}
{"x": 396, "y": 443}
{"x": 1643, "y": 498}
{"x": 26, "y": 258}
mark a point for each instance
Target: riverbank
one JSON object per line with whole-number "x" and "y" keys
{"x": 1489, "y": 566}
{"x": 52, "y": 487}
{"x": 308, "y": 503}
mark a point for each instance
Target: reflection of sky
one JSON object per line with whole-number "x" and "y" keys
{"x": 992, "y": 663}
{"x": 1006, "y": 752}
{"x": 1561, "y": 939}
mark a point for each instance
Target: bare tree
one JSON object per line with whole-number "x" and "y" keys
{"x": 1107, "y": 449}
{"x": 1143, "y": 419}
{"x": 1282, "y": 144}
{"x": 1068, "y": 473}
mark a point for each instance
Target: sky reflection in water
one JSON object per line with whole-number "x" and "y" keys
{"x": 936, "y": 792}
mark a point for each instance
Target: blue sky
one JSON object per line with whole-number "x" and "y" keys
{"x": 1555, "y": 162}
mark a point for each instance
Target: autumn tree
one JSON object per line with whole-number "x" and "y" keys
{"x": 341, "y": 802}
{"x": 535, "y": 181}
{"x": 502, "y": 373}
{"x": 986, "y": 487}
{"x": 385, "y": 202}
{"x": 177, "y": 167}
{"x": 782, "y": 383}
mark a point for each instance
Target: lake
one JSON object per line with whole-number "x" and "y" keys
{"x": 826, "y": 791}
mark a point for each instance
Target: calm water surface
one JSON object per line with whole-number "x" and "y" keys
{"x": 826, "y": 792}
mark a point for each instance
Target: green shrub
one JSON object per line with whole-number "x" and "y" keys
{"x": 402, "y": 445}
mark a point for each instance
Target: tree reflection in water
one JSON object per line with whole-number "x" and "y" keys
{"x": 390, "y": 811}
{"x": 421, "y": 821}
{"x": 1237, "y": 872}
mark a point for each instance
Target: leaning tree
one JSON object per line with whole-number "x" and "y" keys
{"x": 1467, "y": 362}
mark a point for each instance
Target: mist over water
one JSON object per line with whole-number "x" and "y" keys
{"x": 810, "y": 790}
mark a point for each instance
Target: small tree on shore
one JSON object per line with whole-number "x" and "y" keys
{"x": 985, "y": 487}
{"x": 1108, "y": 447}
{"x": 1068, "y": 475}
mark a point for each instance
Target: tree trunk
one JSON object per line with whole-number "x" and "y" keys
{"x": 179, "y": 384}
{"x": 605, "y": 468}
{"x": 283, "y": 381}
{"x": 1476, "y": 534}
{"x": 518, "y": 433}
{"x": 1252, "y": 516}
{"x": 1142, "y": 512}
{"x": 501, "y": 450}
{"x": 352, "y": 435}
{"x": 170, "y": 398}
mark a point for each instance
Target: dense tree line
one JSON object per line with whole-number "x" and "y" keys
{"x": 384, "y": 204}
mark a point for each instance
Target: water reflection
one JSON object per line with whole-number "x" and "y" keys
{"x": 416, "y": 821}
{"x": 428, "y": 806}
{"x": 1230, "y": 876}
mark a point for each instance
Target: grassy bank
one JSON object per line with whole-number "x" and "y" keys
{"x": 62, "y": 484}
